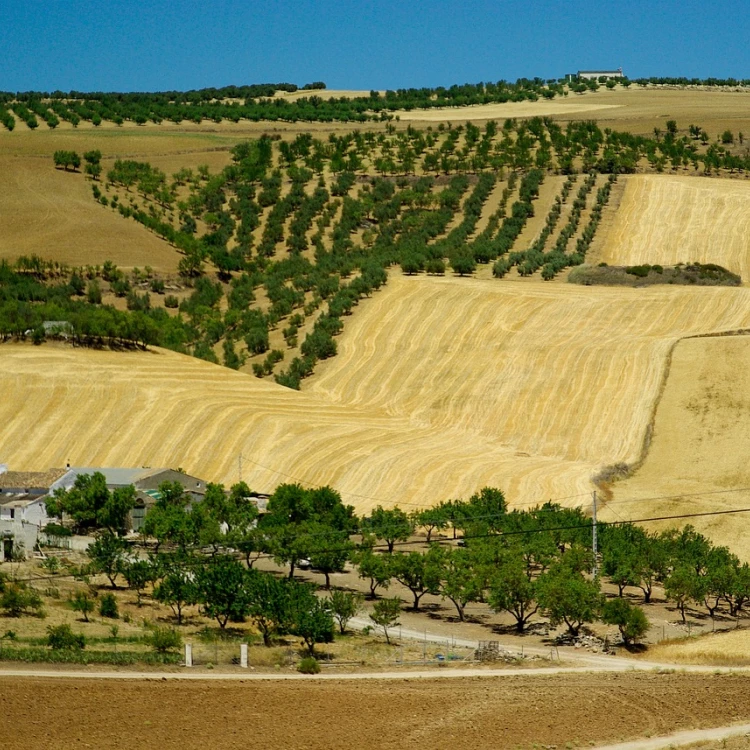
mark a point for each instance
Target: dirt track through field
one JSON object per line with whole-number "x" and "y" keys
{"x": 510, "y": 712}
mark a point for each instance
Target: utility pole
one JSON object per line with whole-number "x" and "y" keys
{"x": 593, "y": 538}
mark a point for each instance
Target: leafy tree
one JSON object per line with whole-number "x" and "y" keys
{"x": 309, "y": 616}
{"x": 18, "y": 599}
{"x": 564, "y": 595}
{"x": 418, "y": 572}
{"x": 328, "y": 550}
{"x": 373, "y": 567}
{"x": 385, "y": 614}
{"x": 91, "y": 505}
{"x": 138, "y": 574}
{"x": 459, "y": 576}
{"x": 511, "y": 590}
{"x": 107, "y": 555}
{"x": 431, "y": 519}
{"x": 108, "y": 606}
{"x": 164, "y": 640}
{"x": 267, "y": 603}
{"x": 630, "y": 620}
{"x": 177, "y": 589}
{"x": 391, "y": 525}
{"x": 83, "y": 603}
{"x": 222, "y": 591}
{"x": 344, "y": 605}
{"x": 681, "y": 586}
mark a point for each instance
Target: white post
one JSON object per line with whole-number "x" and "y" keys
{"x": 188, "y": 654}
{"x": 243, "y": 655}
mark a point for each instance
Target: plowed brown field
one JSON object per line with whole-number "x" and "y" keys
{"x": 506, "y": 712}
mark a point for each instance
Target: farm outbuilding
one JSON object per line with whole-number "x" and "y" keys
{"x": 588, "y": 75}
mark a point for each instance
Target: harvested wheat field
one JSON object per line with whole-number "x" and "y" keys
{"x": 506, "y": 712}
{"x": 728, "y": 648}
{"x": 52, "y": 214}
{"x": 441, "y": 386}
{"x": 698, "y": 456}
{"x": 668, "y": 219}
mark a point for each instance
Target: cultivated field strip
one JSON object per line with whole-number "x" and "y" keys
{"x": 668, "y": 219}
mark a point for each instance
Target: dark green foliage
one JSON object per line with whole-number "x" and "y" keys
{"x": 62, "y": 638}
{"x": 163, "y": 640}
{"x": 309, "y": 665}
{"x": 108, "y": 606}
{"x": 19, "y": 599}
{"x": 630, "y": 620}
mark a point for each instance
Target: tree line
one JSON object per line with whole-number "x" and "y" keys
{"x": 522, "y": 563}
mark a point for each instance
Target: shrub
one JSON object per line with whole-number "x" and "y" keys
{"x": 163, "y": 640}
{"x": 108, "y": 606}
{"x": 83, "y": 603}
{"x": 631, "y": 621}
{"x": 309, "y": 665}
{"x": 62, "y": 637}
{"x": 171, "y": 301}
{"x": 17, "y": 599}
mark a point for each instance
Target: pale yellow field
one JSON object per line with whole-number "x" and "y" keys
{"x": 730, "y": 648}
{"x": 441, "y": 386}
{"x": 701, "y": 443}
{"x": 670, "y": 219}
{"x": 547, "y": 108}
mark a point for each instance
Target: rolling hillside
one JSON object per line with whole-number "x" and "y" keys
{"x": 441, "y": 386}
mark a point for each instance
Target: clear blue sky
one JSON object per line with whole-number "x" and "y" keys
{"x": 126, "y": 45}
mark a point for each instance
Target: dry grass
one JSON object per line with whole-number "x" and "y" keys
{"x": 730, "y": 648}
{"x": 701, "y": 443}
{"x": 667, "y": 219}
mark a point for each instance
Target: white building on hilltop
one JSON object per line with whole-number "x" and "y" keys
{"x": 588, "y": 75}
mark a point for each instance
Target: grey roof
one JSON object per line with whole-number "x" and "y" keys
{"x": 115, "y": 477}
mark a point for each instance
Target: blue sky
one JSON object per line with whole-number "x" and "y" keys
{"x": 126, "y": 45}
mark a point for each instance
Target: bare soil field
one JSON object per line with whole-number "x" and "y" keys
{"x": 669, "y": 219}
{"x": 698, "y": 456}
{"x": 508, "y": 712}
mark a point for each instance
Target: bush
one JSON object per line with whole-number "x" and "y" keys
{"x": 163, "y": 640}
{"x": 631, "y": 620}
{"x": 309, "y": 665}
{"x": 171, "y": 301}
{"x": 62, "y": 637}
{"x": 17, "y": 599}
{"x": 108, "y": 606}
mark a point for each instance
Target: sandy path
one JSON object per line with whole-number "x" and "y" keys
{"x": 681, "y": 738}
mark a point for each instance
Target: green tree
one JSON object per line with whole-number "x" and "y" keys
{"x": 391, "y": 525}
{"x": 177, "y": 589}
{"x": 268, "y": 603}
{"x": 107, "y": 555}
{"x": 18, "y": 599}
{"x": 309, "y": 616}
{"x": 459, "y": 576}
{"x": 511, "y": 590}
{"x": 418, "y": 572}
{"x": 221, "y": 586}
{"x": 373, "y": 568}
{"x": 630, "y": 620}
{"x": 681, "y": 586}
{"x": 565, "y": 595}
{"x": 344, "y": 605}
{"x": 138, "y": 574}
{"x": 431, "y": 519}
{"x": 83, "y": 603}
{"x": 385, "y": 614}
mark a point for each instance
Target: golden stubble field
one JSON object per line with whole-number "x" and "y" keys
{"x": 671, "y": 219}
{"x": 698, "y": 456}
{"x": 441, "y": 386}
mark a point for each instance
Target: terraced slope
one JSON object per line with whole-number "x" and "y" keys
{"x": 441, "y": 386}
{"x": 701, "y": 443}
{"x": 669, "y": 219}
